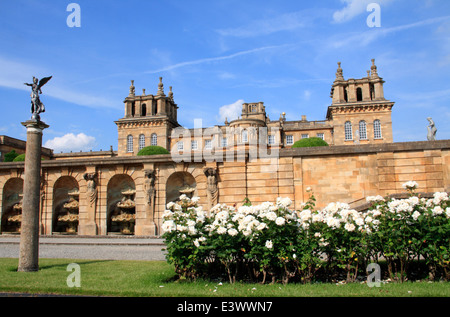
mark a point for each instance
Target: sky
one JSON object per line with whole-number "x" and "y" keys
{"x": 217, "y": 55}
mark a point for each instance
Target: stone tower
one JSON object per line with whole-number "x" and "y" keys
{"x": 359, "y": 112}
{"x": 148, "y": 120}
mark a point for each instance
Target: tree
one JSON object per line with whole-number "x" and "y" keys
{"x": 10, "y": 156}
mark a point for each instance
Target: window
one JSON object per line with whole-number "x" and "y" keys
{"x": 362, "y": 130}
{"x": 130, "y": 144}
{"x": 321, "y": 135}
{"x": 144, "y": 110}
{"x": 271, "y": 139}
{"x": 289, "y": 139}
{"x": 224, "y": 142}
{"x": 180, "y": 146}
{"x": 359, "y": 94}
{"x": 141, "y": 142}
{"x": 154, "y": 139}
{"x": 208, "y": 144}
{"x": 194, "y": 145}
{"x": 377, "y": 129}
{"x": 348, "y": 131}
{"x": 244, "y": 136}
{"x": 305, "y": 136}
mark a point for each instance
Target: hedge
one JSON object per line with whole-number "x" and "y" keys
{"x": 310, "y": 142}
{"x": 153, "y": 150}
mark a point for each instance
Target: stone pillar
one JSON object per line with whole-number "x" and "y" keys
{"x": 29, "y": 236}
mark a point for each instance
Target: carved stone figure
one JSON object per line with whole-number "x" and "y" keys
{"x": 37, "y": 106}
{"x": 431, "y": 130}
{"x": 91, "y": 187}
{"x": 212, "y": 190}
{"x": 149, "y": 186}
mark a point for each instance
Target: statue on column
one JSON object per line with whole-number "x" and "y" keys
{"x": 37, "y": 106}
{"x": 431, "y": 130}
{"x": 212, "y": 190}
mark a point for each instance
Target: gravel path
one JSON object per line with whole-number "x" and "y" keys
{"x": 90, "y": 248}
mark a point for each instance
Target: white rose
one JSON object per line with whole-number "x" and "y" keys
{"x": 280, "y": 221}
{"x": 269, "y": 244}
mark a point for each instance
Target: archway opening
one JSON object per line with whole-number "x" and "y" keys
{"x": 180, "y": 183}
{"x": 65, "y": 216}
{"x": 121, "y": 214}
{"x": 12, "y": 206}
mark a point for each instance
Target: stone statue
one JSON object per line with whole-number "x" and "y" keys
{"x": 212, "y": 190}
{"x": 431, "y": 130}
{"x": 91, "y": 187}
{"x": 149, "y": 186}
{"x": 37, "y": 106}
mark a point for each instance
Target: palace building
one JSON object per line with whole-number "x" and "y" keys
{"x": 119, "y": 192}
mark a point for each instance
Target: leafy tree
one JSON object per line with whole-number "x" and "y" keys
{"x": 10, "y": 156}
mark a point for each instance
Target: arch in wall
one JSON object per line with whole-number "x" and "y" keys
{"x": 180, "y": 183}
{"x": 12, "y": 205}
{"x": 121, "y": 206}
{"x": 65, "y": 211}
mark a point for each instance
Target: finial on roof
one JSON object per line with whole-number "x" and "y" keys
{"x": 373, "y": 68}
{"x": 132, "y": 89}
{"x": 170, "y": 93}
{"x": 160, "y": 87}
{"x": 339, "y": 72}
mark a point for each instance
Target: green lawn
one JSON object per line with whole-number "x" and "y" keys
{"x": 156, "y": 279}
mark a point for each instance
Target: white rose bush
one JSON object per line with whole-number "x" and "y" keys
{"x": 271, "y": 242}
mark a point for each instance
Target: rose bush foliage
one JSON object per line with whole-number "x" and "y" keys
{"x": 272, "y": 242}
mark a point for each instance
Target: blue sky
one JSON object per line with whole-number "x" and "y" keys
{"x": 216, "y": 55}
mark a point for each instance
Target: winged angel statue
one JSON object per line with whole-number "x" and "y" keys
{"x": 37, "y": 106}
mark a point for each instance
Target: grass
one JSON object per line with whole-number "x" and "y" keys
{"x": 157, "y": 279}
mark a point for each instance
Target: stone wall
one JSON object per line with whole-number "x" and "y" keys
{"x": 336, "y": 173}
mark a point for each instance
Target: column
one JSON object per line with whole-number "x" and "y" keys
{"x": 29, "y": 236}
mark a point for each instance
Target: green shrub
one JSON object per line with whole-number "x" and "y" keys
{"x": 309, "y": 142}
{"x": 152, "y": 150}
{"x": 19, "y": 158}
{"x": 10, "y": 156}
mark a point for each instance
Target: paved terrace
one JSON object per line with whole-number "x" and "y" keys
{"x": 89, "y": 248}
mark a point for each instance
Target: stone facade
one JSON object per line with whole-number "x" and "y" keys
{"x": 121, "y": 193}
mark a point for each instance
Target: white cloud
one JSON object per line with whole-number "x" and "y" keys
{"x": 212, "y": 59}
{"x": 71, "y": 142}
{"x": 284, "y": 22}
{"x": 230, "y": 112}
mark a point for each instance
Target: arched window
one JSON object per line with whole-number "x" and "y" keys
{"x": 377, "y": 129}
{"x": 359, "y": 94}
{"x": 130, "y": 144}
{"x": 348, "y": 131}
{"x": 144, "y": 110}
{"x": 141, "y": 142}
{"x": 362, "y": 130}
{"x": 244, "y": 136}
{"x": 154, "y": 139}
